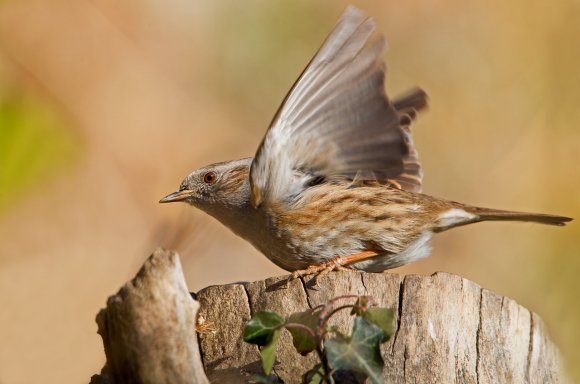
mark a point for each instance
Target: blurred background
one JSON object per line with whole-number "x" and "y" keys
{"x": 106, "y": 105}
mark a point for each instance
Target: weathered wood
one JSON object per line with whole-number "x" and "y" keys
{"x": 448, "y": 329}
{"x": 148, "y": 328}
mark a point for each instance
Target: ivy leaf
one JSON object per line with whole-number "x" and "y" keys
{"x": 303, "y": 341}
{"x": 261, "y": 326}
{"x": 268, "y": 352}
{"x": 314, "y": 376}
{"x": 257, "y": 378}
{"x": 382, "y": 318}
{"x": 361, "y": 301}
{"x": 360, "y": 353}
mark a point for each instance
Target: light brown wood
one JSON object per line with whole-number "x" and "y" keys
{"x": 148, "y": 328}
{"x": 449, "y": 330}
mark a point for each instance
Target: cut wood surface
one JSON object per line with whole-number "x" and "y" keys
{"x": 449, "y": 330}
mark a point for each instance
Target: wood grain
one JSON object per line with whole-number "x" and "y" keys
{"x": 448, "y": 329}
{"x": 148, "y": 328}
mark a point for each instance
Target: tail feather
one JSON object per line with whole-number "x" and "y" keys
{"x": 486, "y": 214}
{"x": 462, "y": 215}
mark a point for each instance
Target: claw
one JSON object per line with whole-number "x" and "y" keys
{"x": 336, "y": 264}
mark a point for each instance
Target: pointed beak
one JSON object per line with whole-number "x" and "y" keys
{"x": 176, "y": 196}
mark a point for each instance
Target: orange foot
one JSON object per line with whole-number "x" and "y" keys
{"x": 335, "y": 264}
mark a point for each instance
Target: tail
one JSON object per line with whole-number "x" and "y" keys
{"x": 463, "y": 215}
{"x": 499, "y": 215}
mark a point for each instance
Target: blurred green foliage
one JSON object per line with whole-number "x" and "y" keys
{"x": 34, "y": 144}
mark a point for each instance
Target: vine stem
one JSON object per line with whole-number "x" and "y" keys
{"x": 325, "y": 314}
{"x": 325, "y": 319}
{"x": 329, "y": 305}
{"x": 302, "y": 327}
{"x": 323, "y": 360}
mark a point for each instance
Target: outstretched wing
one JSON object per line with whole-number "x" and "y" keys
{"x": 337, "y": 121}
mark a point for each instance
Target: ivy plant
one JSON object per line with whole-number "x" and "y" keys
{"x": 357, "y": 354}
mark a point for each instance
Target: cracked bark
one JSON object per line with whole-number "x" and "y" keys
{"x": 448, "y": 329}
{"x": 477, "y": 340}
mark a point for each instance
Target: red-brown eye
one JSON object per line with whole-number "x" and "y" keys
{"x": 209, "y": 178}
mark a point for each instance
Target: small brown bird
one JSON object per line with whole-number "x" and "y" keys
{"x": 336, "y": 180}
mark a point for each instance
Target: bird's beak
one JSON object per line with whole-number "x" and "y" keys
{"x": 177, "y": 196}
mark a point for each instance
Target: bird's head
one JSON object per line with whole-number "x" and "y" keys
{"x": 214, "y": 186}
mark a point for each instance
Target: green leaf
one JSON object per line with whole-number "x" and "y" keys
{"x": 382, "y": 318}
{"x": 314, "y": 376}
{"x": 361, "y": 301}
{"x": 268, "y": 352}
{"x": 261, "y": 326}
{"x": 304, "y": 341}
{"x": 360, "y": 353}
{"x": 263, "y": 379}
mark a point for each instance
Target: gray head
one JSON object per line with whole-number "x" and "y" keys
{"x": 215, "y": 186}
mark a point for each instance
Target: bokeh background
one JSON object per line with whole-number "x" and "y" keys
{"x": 105, "y": 106}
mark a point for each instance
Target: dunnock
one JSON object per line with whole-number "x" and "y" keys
{"x": 336, "y": 180}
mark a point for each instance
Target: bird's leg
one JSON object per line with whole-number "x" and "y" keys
{"x": 337, "y": 263}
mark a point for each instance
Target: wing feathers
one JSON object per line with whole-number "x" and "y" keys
{"x": 346, "y": 40}
{"x": 337, "y": 120}
{"x": 413, "y": 100}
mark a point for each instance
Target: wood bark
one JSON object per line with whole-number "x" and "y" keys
{"x": 148, "y": 328}
{"x": 448, "y": 329}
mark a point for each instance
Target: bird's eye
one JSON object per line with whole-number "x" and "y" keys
{"x": 209, "y": 177}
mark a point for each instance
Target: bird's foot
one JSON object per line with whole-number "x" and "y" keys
{"x": 320, "y": 270}
{"x": 335, "y": 264}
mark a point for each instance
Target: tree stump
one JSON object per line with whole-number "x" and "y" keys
{"x": 448, "y": 329}
{"x": 148, "y": 328}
